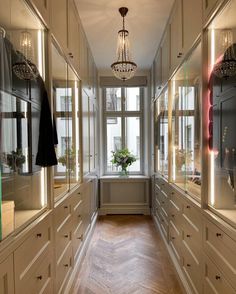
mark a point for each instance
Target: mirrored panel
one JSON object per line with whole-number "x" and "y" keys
{"x": 186, "y": 125}
{"x": 221, "y": 114}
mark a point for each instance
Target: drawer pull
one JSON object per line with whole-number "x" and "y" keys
{"x": 173, "y": 215}
{"x": 66, "y": 236}
{"x": 172, "y": 193}
{"x": 65, "y": 206}
{"x": 66, "y": 265}
{"x": 188, "y": 236}
{"x": 188, "y": 265}
{"x": 173, "y": 238}
{"x": 188, "y": 206}
{"x": 163, "y": 202}
{"x": 78, "y": 193}
{"x": 80, "y": 238}
{"x": 40, "y": 277}
{"x": 217, "y": 277}
{"x": 39, "y": 235}
{"x": 218, "y": 234}
{"x": 79, "y": 216}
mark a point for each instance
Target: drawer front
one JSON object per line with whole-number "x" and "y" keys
{"x": 192, "y": 216}
{"x": 164, "y": 224}
{"x": 192, "y": 239}
{"x": 63, "y": 269}
{"x": 158, "y": 214}
{"x": 177, "y": 203}
{"x": 63, "y": 239}
{"x": 62, "y": 213}
{"x": 222, "y": 249}
{"x": 175, "y": 242}
{"x": 175, "y": 216}
{"x": 193, "y": 272}
{"x": 38, "y": 280}
{"x": 7, "y": 276}
{"x": 158, "y": 198}
{"x": 76, "y": 199}
{"x": 77, "y": 239}
{"x": 33, "y": 247}
{"x": 214, "y": 281}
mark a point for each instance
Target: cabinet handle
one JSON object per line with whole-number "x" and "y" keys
{"x": 188, "y": 265}
{"x": 66, "y": 207}
{"x": 66, "y": 265}
{"x": 71, "y": 55}
{"x": 188, "y": 236}
{"x": 173, "y": 215}
{"x": 79, "y": 216}
{"x": 66, "y": 236}
{"x": 40, "y": 277}
{"x": 172, "y": 193}
{"x": 39, "y": 235}
{"x": 188, "y": 206}
{"x": 217, "y": 277}
{"x": 218, "y": 234}
{"x": 163, "y": 202}
{"x": 81, "y": 237}
{"x": 173, "y": 238}
{"x": 78, "y": 193}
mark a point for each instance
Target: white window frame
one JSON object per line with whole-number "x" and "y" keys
{"x": 123, "y": 114}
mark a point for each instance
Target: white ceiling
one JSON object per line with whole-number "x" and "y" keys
{"x": 145, "y": 22}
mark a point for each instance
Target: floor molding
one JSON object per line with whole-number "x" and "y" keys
{"x": 178, "y": 270}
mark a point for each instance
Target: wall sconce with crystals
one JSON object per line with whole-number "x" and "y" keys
{"x": 123, "y": 68}
{"x": 24, "y": 68}
{"x": 227, "y": 67}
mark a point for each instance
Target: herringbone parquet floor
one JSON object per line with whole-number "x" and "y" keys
{"x": 126, "y": 256}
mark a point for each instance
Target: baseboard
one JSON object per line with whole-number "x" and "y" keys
{"x": 179, "y": 273}
{"x": 77, "y": 266}
{"x": 124, "y": 210}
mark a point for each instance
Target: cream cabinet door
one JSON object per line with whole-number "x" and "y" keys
{"x": 165, "y": 55}
{"x": 158, "y": 71}
{"x": 192, "y": 22}
{"x": 6, "y": 276}
{"x": 83, "y": 57}
{"x": 176, "y": 34}
{"x": 208, "y": 6}
{"x": 86, "y": 133}
{"x": 73, "y": 34}
{"x": 43, "y": 8}
{"x": 59, "y": 21}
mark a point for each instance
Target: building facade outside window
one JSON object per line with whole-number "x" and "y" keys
{"x": 123, "y": 125}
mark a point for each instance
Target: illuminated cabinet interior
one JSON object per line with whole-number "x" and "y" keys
{"x": 63, "y": 116}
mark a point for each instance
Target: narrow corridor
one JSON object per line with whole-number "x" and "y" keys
{"x": 126, "y": 256}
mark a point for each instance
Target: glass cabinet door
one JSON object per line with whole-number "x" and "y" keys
{"x": 22, "y": 192}
{"x": 185, "y": 124}
{"x": 62, "y": 104}
{"x": 161, "y": 134}
{"x": 221, "y": 35}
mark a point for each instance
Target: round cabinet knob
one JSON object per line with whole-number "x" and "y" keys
{"x": 188, "y": 265}
{"x": 188, "y": 236}
{"x": 173, "y": 238}
{"x": 188, "y": 206}
{"x": 40, "y": 277}
{"x": 65, "y": 206}
{"x": 66, "y": 265}
{"x": 218, "y": 234}
{"x": 66, "y": 236}
{"x": 217, "y": 277}
{"x": 39, "y": 235}
{"x": 173, "y": 215}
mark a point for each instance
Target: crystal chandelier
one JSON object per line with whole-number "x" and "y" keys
{"x": 227, "y": 67}
{"x": 24, "y": 68}
{"x": 123, "y": 68}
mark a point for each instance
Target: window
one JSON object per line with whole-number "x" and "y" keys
{"x": 123, "y": 119}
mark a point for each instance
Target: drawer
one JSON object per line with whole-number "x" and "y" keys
{"x": 77, "y": 215}
{"x": 38, "y": 280}
{"x": 214, "y": 281}
{"x": 62, "y": 213}
{"x": 175, "y": 242}
{"x": 7, "y": 276}
{"x": 63, "y": 269}
{"x": 175, "y": 215}
{"x": 158, "y": 215}
{"x": 164, "y": 224}
{"x": 193, "y": 272}
{"x": 192, "y": 215}
{"x": 176, "y": 201}
{"x": 222, "y": 249}
{"x": 77, "y": 239}
{"x": 76, "y": 199}
{"x": 192, "y": 239}
{"x": 158, "y": 198}
{"x": 63, "y": 238}
{"x": 33, "y": 247}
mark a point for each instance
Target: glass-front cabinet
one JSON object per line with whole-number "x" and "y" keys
{"x": 22, "y": 181}
{"x": 186, "y": 125}
{"x": 66, "y": 115}
{"x": 161, "y": 134}
{"x": 221, "y": 36}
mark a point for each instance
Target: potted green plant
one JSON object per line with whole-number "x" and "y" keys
{"x": 124, "y": 159}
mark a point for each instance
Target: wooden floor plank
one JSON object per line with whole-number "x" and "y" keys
{"x": 126, "y": 256}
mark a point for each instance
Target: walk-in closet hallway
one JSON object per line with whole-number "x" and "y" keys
{"x": 126, "y": 256}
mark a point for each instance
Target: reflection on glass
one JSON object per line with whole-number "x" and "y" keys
{"x": 161, "y": 134}
{"x": 222, "y": 109}
{"x": 132, "y": 99}
{"x": 114, "y": 142}
{"x": 62, "y": 107}
{"x": 113, "y": 99}
{"x": 132, "y": 140}
{"x": 186, "y": 165}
